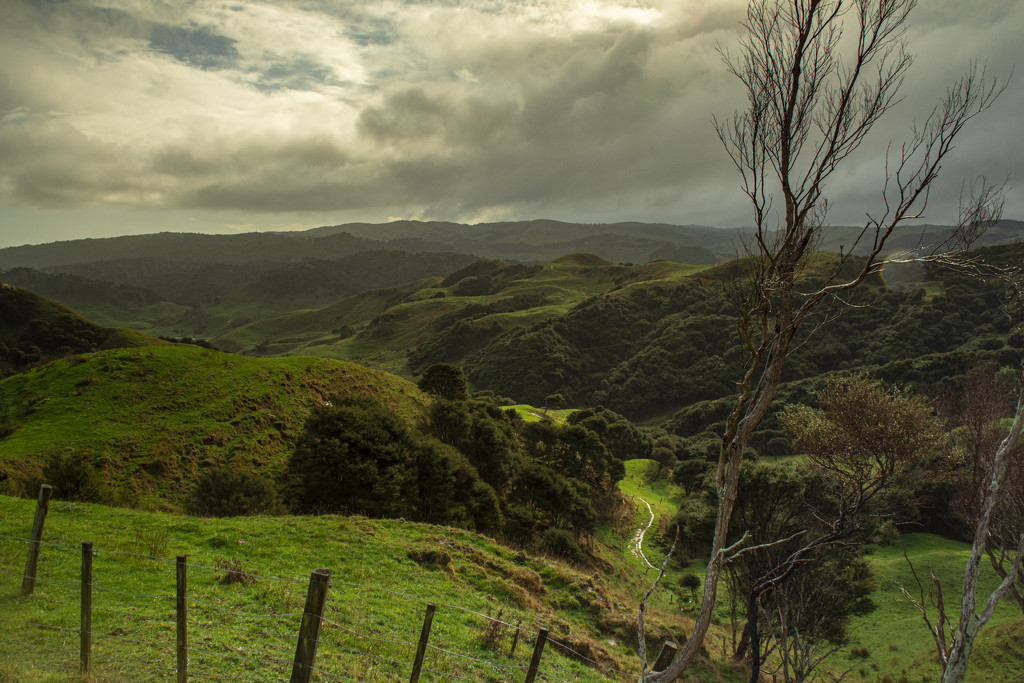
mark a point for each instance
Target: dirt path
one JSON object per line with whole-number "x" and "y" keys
{"x": 636, "y": 545}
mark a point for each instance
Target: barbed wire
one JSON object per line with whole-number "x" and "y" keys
{"x": 526, "y": 621}
{"x": 100, "y": 634}
{"x": 38, "y": 645}
{"x": 102, "y": 589}
{"x": 273, "y": 615}
{"x": 22, "y": 575}
{"x": 261, "y": 633}
{"x": 475, "y": 659}
{"x": 38, "y": 625}
{"x": 52, "y": 544}
{"x": 395, "y": 641}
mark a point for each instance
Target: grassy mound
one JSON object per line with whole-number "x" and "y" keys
{"x": 151, "y": 418}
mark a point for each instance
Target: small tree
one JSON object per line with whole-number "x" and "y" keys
{"x": 690, "y": 582}
{"x": 446, "y": 381}
{"x": 553, "y": 402}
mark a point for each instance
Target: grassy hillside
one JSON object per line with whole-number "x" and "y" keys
{"x": 383, "y": 574}
{"x": 151, "y": 418}
{"x": 404, "y": 329}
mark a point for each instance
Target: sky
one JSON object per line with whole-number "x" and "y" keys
{"x": 218, "y": 116}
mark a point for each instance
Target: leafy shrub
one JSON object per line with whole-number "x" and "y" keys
{"x": 223, "y": 492}
{"x": 560, "y": 543}
{"x": 73, "y": 477}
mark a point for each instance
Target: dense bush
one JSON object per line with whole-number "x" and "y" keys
{"x": 356, "y": 457}
{"x": 73, "y": 477}
{"x": 224, "y": 492}
{"x": 560, "y": 543}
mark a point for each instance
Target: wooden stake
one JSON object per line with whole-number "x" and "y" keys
{"x": 28, "y": 582}
{"x": 421, "y": 649}
{"x": 182, "y": 606}
{"x": 86, "y": 623}
{"x": 309, "y": 631}
{"x": 515, "y": 638}
{"x": 538, "y": 649}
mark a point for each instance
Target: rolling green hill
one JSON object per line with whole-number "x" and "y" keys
{"x": 461, "y": 314}
{"x": 150, "y": 419}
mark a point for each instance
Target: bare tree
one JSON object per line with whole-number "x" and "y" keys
{"x": 954, "y": 642}
{"x": 974, "y": 405}
{"x": 810, "y": 104}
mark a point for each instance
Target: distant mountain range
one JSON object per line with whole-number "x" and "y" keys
{"x": 536, "y": 241}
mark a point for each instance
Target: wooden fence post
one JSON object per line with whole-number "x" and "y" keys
{"x": 86, "y": 624}
{"x": 421, "y": 649}
{"x": 668, "y": 651}
{"x": 309, "y": 631}
{"x": 182, "y": 634}
{"x": 28, "y": 582}
{"x": 538, "y": 649}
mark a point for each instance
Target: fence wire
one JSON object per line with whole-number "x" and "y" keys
{"x": 246, "y": 633}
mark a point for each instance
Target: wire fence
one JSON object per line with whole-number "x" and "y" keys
{"x": 146, "y": 623}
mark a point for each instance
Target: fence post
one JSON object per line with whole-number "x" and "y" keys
{"x": 421, "y": 649}
{"x": 515, "y": 638}
{"x": 668, "y": 651}
{"x": 28, "y": 582}
{"x": 86, "y": 625}
{"x": 309, "y": 631}
{"x": 538, "y": 649}
{"x": 182, "y": 635}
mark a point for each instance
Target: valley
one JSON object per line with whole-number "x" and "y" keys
{"x": 515, "y": 440}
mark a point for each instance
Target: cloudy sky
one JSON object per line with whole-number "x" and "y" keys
{"x": 132, "y": 116}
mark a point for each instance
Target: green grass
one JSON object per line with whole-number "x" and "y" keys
{"x": 895, "y": 635}
{"x": 377, "y": 590}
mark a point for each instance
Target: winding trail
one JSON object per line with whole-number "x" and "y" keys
{"x": 637, "y": 542}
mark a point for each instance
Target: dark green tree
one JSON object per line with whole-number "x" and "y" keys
{"x": 446, "y": 381}
{"x": 449, "y": 421}
{"x": 354, "y": 456}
